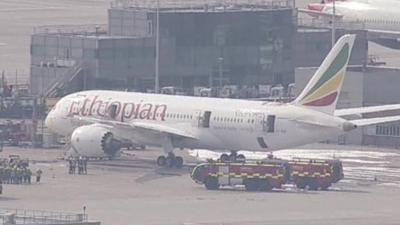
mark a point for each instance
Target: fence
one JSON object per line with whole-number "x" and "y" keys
{"x": 209, "y": 4}
{"x": 86, "y": 29}
{"x": 23, "y": 216}
{"x": 339, "y": 24}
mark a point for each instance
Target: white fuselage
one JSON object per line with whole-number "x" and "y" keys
{"x": 216, "y": 124}
{"x": 374, "y": 14}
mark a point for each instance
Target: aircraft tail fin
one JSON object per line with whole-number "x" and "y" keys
{"x": 322, "y": 91}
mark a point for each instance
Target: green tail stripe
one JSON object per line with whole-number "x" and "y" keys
{"x": 333, "y": 69}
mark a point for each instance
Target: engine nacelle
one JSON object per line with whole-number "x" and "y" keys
{"x": 94, "y": 141}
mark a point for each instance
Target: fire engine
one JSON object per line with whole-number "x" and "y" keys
{"x": 315, "y": 173}
{"x": 268, "y": 174}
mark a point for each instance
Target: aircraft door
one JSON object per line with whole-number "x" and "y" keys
{"x": 204, "y": 119}
{"x": 269, "y": 123}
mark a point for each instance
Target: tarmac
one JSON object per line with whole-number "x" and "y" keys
{"x": 133, "y": 190}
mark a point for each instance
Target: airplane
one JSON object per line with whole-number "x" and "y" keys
{"x": 381, "y": 18}
{"x": 98, "y": 121}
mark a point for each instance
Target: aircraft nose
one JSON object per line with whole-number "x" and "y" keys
{"x": 49, "y": 121}
{"x": 316, "y": 7}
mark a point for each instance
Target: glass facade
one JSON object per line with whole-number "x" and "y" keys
{"x": 196, "y": 49}
{"x": 250, "y": 47}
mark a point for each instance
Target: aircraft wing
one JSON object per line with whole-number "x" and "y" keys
{"x": 369, "y": 109}
{"x": 387, "y": 38}
{"x": 390, "y": 34}
{"x": 139, "y": 125}
{"x": 374, "y": 121}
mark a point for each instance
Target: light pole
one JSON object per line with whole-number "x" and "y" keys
{"x": 157, "y": 69}
{"x": 333, "y": 23}
{"x": 220, "y": 63}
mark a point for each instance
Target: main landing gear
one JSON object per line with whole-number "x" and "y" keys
{"x": 170, "y": 161}
{"x": 233, "y": 157}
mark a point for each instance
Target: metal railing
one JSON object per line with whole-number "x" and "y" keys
{"x": 318, "y": 23}
{"x": 86, "y": 29}
{"x": 204, "y": 4}
{"x": 63, "y": 80}
{"x": 24, "y": 216}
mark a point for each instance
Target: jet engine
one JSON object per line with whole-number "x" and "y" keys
{"x": 94, "y": 141}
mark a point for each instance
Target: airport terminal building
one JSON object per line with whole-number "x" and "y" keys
{"x": 206, "y": 45}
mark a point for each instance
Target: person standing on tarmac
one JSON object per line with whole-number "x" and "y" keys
{"x": 38, "y": 175}
{"x": 23, "y": 176}
{"x": 71, "y": 166}
{"x": 80, "y": 166}
{"x": 12, "y": 175}
{"x": 28, "y": 175}
{"x": 84, "y": 161}
{"x": 19, "y": 175}
{"x": 74, "y": 164}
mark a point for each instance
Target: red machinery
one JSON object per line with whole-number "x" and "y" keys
{"x": 269, "y": 174}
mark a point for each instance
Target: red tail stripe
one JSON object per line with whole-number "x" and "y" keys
{"x": 324, "y": 101}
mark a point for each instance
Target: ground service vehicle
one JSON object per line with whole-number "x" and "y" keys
{"x": 315, "y": 173}
{"x": 254, "y": 176}
{"x": 268, "y": 174}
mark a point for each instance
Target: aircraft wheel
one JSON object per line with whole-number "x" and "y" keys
{"x": 161, "y": 161}
{"x": 252, "y": 185}
{"x": 224, "y": 157}
{"x": 301, "y": 184}
{"x": 211, "y": 183}
{"x": 325, "y": 187}
{"x": 179, "y": 162}
{"x": 233, "y": 156}
{"x": 170, "y": 161}
{"x": 265, "y": 185}
{"x": 240, "y": 158}
{"x": 312, "y": 185}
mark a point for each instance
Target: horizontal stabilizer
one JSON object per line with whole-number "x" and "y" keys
{"x": 374, "y": 121}
{"x": 369, "y": 109}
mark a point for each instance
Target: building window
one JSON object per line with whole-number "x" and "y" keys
{"x": 389, "y": 130}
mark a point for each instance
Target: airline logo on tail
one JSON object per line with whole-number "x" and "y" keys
{"x": 325, "y": 90}
{"x": 322, "y": 91}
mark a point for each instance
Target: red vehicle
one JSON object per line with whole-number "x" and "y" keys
{"x": 254, "y": 176}
{"x": 272, "y": 173}
{"x": 314, "y": 173}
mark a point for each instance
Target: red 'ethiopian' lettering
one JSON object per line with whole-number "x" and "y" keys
{"x": 161, "y": 110}
{"x": 145, "y": 111}
{"x": 125, "y": 110}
